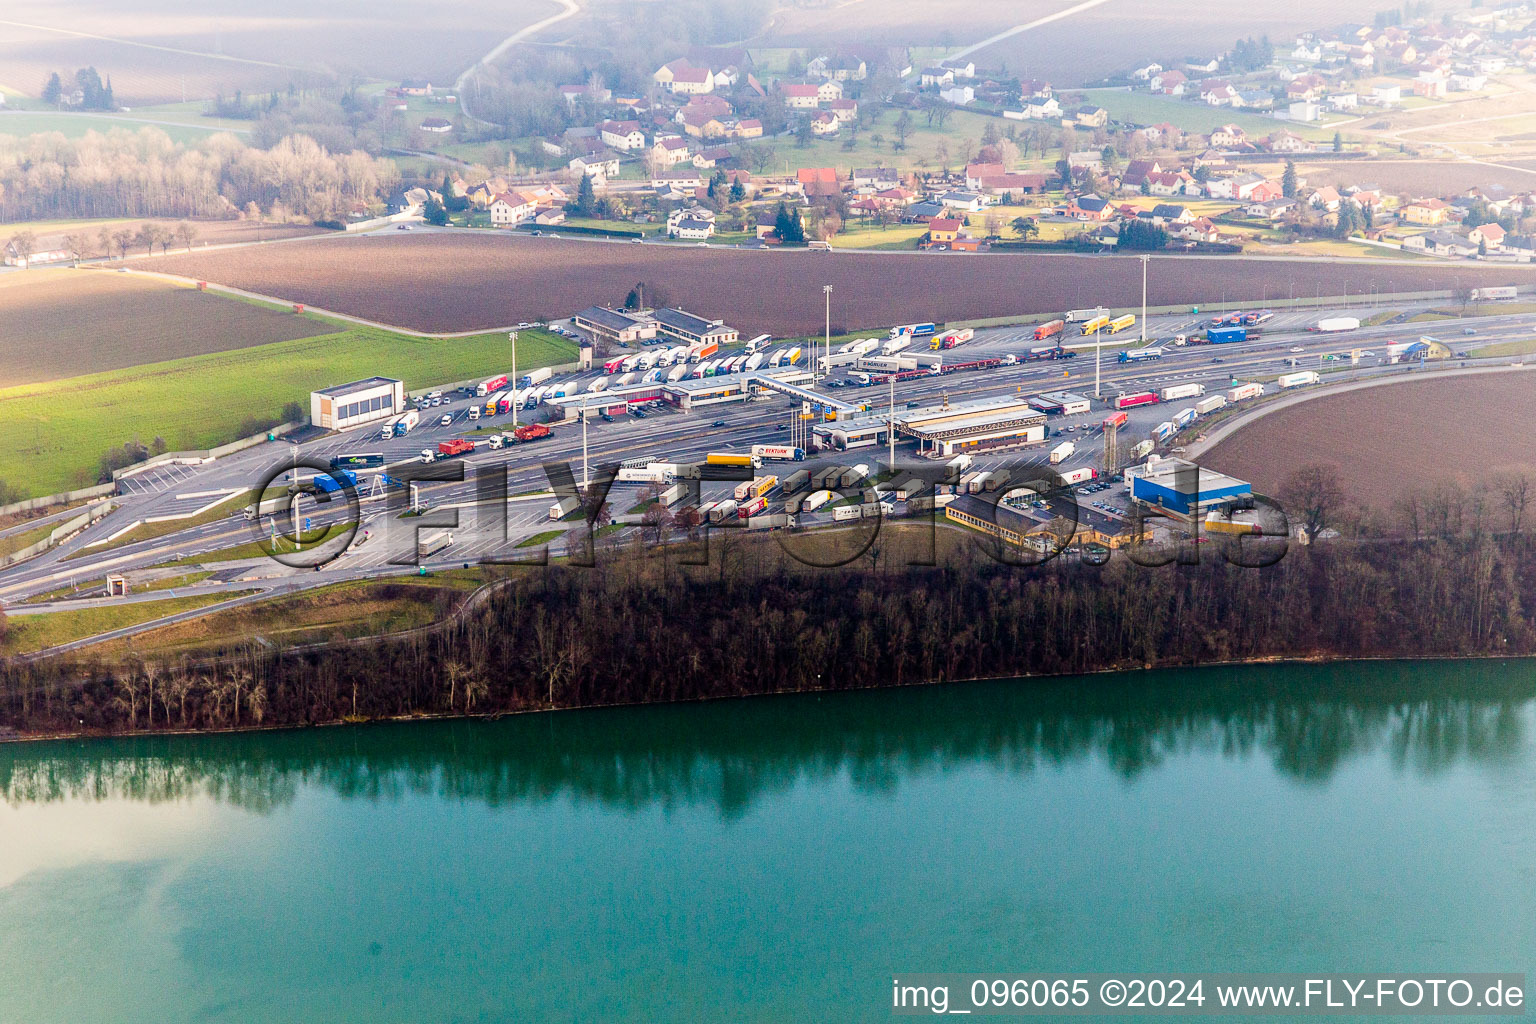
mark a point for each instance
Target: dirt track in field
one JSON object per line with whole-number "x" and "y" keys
{"x": 481, "y": 280}
{"x": 64, "y": 323}
{"x": 1386, "y": 439}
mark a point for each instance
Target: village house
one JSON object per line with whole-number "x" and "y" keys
{"x": 1287, "y": 142}
{"x": 1172, "y": 213}
{"x": 1016, "y": 183}
{"x": 958, "y": 95}
{"x": 824, "y": 123}
{"x": 1198, "y": 229}
{"x": 846, "y": 111}
{"x": 599, "y": 169}
{"x": 436, "y": 125}
{"x": 671, "y": 151}
{"x": 682, "y": 179}
{"x": 1087, "y": 160}
{"x": 838, "y": 68}
{"x": 936, "y": 76}
{"x": 693, "y": 223}
{"x": 510, "y": 209}
{"x": 1136, "y": 172}
{"x": 1427, "y": 212}
{"x": 680, "y": 76}
{"x": 876, "y": 177}
{"x": 1091, "y": 116}
{"x": 960, "y": 68}
{"x": 1490, "y": 236}
{"x": 1227, "y": 136}
{"x": 970, "y": 202}
{"x": 798, "y": 96}
{"x": 708, "y": 159}
{"x": 1442, "y": 243}
{"x": 1047, "y": 109}
{"x": 944, "y": 229}
{"x": 1272, "y": 210}
{"x": 829, "y": 90}
{"x": 1089, "y": 208}
{"x": 1170, "y": 83}
{"x": 623, "y": 135}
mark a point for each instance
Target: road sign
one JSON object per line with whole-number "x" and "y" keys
{"x": 306, "y": 524}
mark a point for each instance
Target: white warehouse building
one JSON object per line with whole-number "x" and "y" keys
{"x": 362, "y": 401}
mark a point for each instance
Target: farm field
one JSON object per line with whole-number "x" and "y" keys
{"x": 56, "y": 432}
{"x": 484, "y": 280}
{"x": 1389, "y": 448}
{"x": 62, "y": 323}
{"x": 1091, "y": 44}
{"x": 52, "y": 234}
{"x": 1416, "y": 177}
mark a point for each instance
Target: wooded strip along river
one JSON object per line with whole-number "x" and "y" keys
{"x": 777, "y": 858}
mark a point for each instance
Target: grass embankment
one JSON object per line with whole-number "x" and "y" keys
{"x": 60, "y": 429}
{"x": 1504, "y": 348}
{"x": 540, "y": 539}
{"x": 98, "y": 587}
{"x": 26, "y": 538}
{"x": 340, "y": 611}
{"x": 30, "y": 633}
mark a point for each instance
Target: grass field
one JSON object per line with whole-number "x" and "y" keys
{"x": 360, "y": 608}
{"x": 29, "y": 633}
{"x": 73, "y": 126}
{"x": 1506, "y": 348}
{"x": 1145, "y": 108}
{"x": 56, "y": 432}
{"x": 149, "y": 531}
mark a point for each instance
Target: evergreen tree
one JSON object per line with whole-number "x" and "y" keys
{"x": 738, "y": 191}
{"x": 1288, "y": 180}
{"x": 435, "y": 212}
{"x": 585, "y": 204}
{"x": 1338, "y": 142}
{"x": 53, "y": 92}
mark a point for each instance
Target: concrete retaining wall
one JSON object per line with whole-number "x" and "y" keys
{"x": 198, "y": 458}
{"x": 58, "y": 534}
{"x": 48, "y": 501}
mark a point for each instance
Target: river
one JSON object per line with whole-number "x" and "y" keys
{"x": 776, "y": 858}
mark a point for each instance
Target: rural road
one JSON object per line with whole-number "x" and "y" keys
{"x": 1027, "y": 26}
{"x": 569, "y": 8}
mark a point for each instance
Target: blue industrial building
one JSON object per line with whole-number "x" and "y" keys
{"x": 1183, "y": 488}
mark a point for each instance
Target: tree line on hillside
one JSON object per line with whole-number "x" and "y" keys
{"x": 1453, "y": 580}
{"x": 146, "y": 174}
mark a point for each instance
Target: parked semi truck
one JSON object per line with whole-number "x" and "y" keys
{"x": 408, "y": 421}
{"x": 1078, "y": 316}
{"x": 723, "y": 511}
{"x": 795, "y": 481}
{"x": 1130, "y": 401}
{"x": 564, "y": 507}
{"x": 490, "y": 384}
{"x": 1206, "y": 406}
{"x": 1296, "y": 380}
{"x": 1121, "y": 323}
{"x": 1115, "y": 419}
{"x": 533, "y": 377}
{"x": 1177, "y": 391}
{"x": 1095, "y": 325}
{"x": 1049, "y": 329}
{"x": 1243, "y": 392}
{"x": 1079, "y": 476}
{"x": 1062, "y": 452}
{"x": 1142, "y": 449}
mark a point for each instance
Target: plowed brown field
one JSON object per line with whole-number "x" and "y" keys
{"x": 1387, "y": 439}
{"x": 64, "y": 323}
{"x": 481, "y": 280}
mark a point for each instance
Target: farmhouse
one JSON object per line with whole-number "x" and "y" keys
{"x": 800, "y": 97}
{"x": 670, "y": 152}
{"x": 437, "y": 125}
{"x": 1428, "y": 212}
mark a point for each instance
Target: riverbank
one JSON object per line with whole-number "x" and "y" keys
{"x": 645, "y": 629}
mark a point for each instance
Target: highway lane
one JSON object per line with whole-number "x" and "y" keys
{"x": 677, "y": 435}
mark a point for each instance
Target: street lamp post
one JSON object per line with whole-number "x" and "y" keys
{"x": 512, "y": 337}
{"x": 585, "y": 478}
{"x": 890, "y": 428}
{"x": 1145, "y": 259}
{"x": 826, "y": 290}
